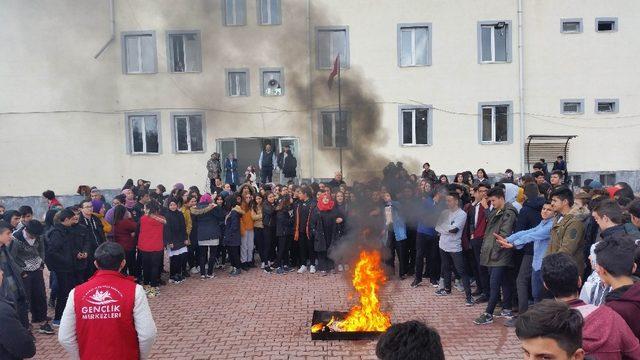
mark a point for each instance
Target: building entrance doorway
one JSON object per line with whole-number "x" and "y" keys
{"x": 247, "y": 151}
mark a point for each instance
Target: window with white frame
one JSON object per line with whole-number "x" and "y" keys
{"x": 272, "y": 82}
{"x": 143, "y": 134}
{"x": 184, "y": 52}
{"x": 608, "y": 179}
{"x": 334, "y": 129}
{"x": 238, "y": 82}
{"x": 495, "y": 123}
{"x": 606, "y": 24}
{"x": 415, "y": 126}
{"x": 414, "y": 45}
{"x": 139, "y": 53}
{"x": 607, "y": 105}
{"x": 269, "y": 12}
{"x": 572, "y": 106}
{"x": 330, "y": 43}
{"x": 189, "y": 135}
{"x": 495, "y": 42}
{"x": 235, "y": 12}
{"x": 571, "y": 26}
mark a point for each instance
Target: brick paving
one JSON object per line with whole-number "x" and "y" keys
{"x": 267, "y": 316}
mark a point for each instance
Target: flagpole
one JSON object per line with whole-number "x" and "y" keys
{"x": 339, "y": 110}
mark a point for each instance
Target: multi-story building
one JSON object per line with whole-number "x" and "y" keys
{"x": 461, "y": 86}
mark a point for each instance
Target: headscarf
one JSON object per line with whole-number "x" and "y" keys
{"x": 325, "y": 207}
{"x": 206, "y": 198}
{"x": 97, "y": 205}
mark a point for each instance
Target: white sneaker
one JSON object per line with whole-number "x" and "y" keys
{"x": 262, "y": 265}
{"x": 302, "y": 269}
{"x": 195, "y": 269}
{"x": 312, "y": 269}
{"x": 340, "y": 268}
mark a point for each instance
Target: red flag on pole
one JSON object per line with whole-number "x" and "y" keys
{"x": 334, "y": 71}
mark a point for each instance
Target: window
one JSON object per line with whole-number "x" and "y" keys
{"x": 272, "y": 81}
{"x": 331, "y": 42}
{"x": 576, "y": 180}
{"x": 415, "y": 126}
{"x": 334, "y": 129}
{"x": 139, "y": 52}
{"x": 269, "y": 12}
{"x": 238, "y": 82}
{"x": 608, "y": 179}
{"x": 494, "y": 41}
{"x": 571, "y": 26}
{"x": 184, "y": 51}
{"x": 235, "y": 12}
{"x": 143, "y": 133}
{"x": 606, "y": 24}
{"x": 414, "y": 44}
{"x": 188, "y": 132}
{"x": 495, "y": 123}
{"x": 607, "y": 105}
{"x": 572, "y": 106}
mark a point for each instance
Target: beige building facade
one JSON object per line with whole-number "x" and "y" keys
{"x": 420, "y": 81}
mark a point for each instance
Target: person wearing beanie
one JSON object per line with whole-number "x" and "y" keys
{"x": 178, "y": 186}
{"x": 27, "y": 250}
{"x": 595, "y": 185}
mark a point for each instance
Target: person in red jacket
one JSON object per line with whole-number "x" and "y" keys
{"x": 615, "y": 263}
{"x": 605, "y": 335}
{"x": 124, "y": 229}
{"x": 108, "y": 316}
{"x": 151, "y": 246}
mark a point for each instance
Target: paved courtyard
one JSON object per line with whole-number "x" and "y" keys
{"x": 265, "y": 316}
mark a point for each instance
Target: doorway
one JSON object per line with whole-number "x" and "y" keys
{"x": 247, "y": 151}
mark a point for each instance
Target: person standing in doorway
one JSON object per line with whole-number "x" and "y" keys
{"x": 231, "y": 171}
{"x": 266, "y": 163}
{"x": 287, "y": 164}
{"x": 214, "y": 170}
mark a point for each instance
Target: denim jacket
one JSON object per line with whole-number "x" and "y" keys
{"x": 399, "y": 227}
{"x": 539, "y": 235}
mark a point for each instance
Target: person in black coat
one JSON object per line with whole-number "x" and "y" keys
{"x": 269, "y": 224}
{"x": 16, "y": 341}
{"x": 12, "y": 288}
{"x": 284, "y": 233}
{"x": 232, "y": 238}
{"x": 323, "y": 226}
{"x": 208, "y": 216}
{"x": 61, "y": 256}
{"x": 175, "y": 238}
{"x": 528, "y": 218}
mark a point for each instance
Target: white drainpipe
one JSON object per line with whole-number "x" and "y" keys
{"x": 113, "y": 29}
{"x": 523, "y": 166}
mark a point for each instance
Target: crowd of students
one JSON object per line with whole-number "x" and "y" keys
{"x": 489, "y": 240}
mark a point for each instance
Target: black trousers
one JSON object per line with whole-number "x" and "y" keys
{"x": 151, "y": 264}
{"x": 483, "y": 273}
{"x": 207, "y": 257}
{"x": 176, "y": 264}
{"x": 131, "y": 266}
{"x": 307, "y": 254}
{"x": 266, "y": 174}
{"x": 324, "y": 263}
{"x": 262, "y": 243}
{"x": 284, "y": 244}
{"x": 399, "y": 248}
{"x": 427, "y": 247}
{"x": 271, "y": 241}
{"x": 36, "y": 294}
{"x": 66, "y": 282}
{"x": 411, "y": 249}
{"x": 234, "y": 255}
{"x": 523, "y": 282}
{"x": 451, "y": 260}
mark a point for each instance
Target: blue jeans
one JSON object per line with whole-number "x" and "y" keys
{"x": 536, "y": 286}
{"x": 499, "y": 279}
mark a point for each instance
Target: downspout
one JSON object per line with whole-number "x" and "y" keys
{"x": 309, "y": 96}
{"x": 113, "y": 29}
{"x": 523, "y": 165}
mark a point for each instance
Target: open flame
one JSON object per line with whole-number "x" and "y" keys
{"x": 368, "y": 276}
